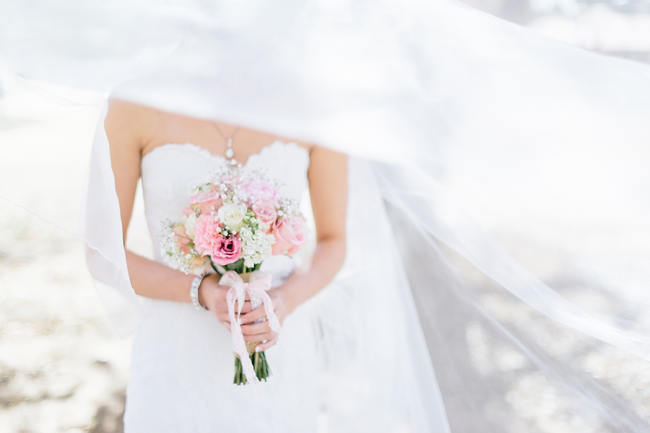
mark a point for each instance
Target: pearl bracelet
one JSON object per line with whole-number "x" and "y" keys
{"x": 194, "y": 292}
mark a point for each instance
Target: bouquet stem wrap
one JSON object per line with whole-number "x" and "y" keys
{"x": 255, "y": 284}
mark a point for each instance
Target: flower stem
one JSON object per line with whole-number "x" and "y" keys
{"x": 214, "y": 267}
{"x": 260, "y": 366}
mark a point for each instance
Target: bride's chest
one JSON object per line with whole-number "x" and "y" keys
{"x": 170, "y": 171}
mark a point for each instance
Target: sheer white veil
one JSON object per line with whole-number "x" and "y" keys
{"x": 462, "y": 128}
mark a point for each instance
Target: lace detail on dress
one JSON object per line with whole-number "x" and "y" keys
{"x": 171, "y": 170}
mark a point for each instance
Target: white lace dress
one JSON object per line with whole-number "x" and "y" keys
{"x": 182, "y": 364}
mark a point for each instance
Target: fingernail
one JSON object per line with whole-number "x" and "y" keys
{"x": 258, "y": 349}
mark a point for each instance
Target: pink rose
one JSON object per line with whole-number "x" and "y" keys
{"x": 265, "y": 212}
{"x": 205, "y": 201}
{"x": 198, "y": 263}
{"x": 203, "y": 196}
{"x": 182, "y": 240}
{"x": 226, "y": 250}
{"x": 258, "y": 191}
{"x": 179, "y": 230}
{"x": 289, "y": 235}
{"x": 225, "y": 178}
{"x": 208, "y": 241}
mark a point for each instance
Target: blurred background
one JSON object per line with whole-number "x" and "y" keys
{"x": 61, "y": 368}
{"x": 616, "y": 27}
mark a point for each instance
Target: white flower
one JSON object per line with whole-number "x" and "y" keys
{"x": 255, "y": 247}
{"x": 189, "y": 224}
{"x": 170, "y": 252}
{"x": 231, "y": 215}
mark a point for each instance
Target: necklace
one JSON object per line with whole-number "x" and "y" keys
{"x": 229, "y": 153}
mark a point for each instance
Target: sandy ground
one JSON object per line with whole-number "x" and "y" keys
{"x": 61, "y": 368}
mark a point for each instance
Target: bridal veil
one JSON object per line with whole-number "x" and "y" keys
{"x": 467, "y": 134}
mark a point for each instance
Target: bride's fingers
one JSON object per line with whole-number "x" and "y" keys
{"x": 260, "y": 337}
{"x": 246, "y": 307}
{"x": 224, "y": 319}
{"x": 252, "y": 316}
{"x": 263, "y": 346}
{"x": 223, "y": 316}
{"x": 256, "y": 328}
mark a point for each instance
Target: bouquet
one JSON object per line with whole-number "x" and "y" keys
{"x": 232, "y": 223}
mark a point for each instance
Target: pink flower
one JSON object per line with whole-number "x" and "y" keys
{"x": 289, "y": 235}
{"x": 208, "y": 241}
{"x": 226, "y": 178}
{"x": 198, "y": 263}
{"x": 182, "y": 240}
{"x": 226, "y": 250}
{"x": 205, "y": 234}
{"x": 259, "y": 191}
{"x": 203, "y": 196}
{"x": 179, "y": 230}
{"x": 265, "y": 212}
{"x": 205, "y": 201}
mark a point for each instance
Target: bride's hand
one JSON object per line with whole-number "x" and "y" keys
{"x": 261, "y": 332}
{"x": 213, "y": 296}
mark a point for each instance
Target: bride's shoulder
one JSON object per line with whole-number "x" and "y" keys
{"x": 129, "y": 121}
{"x": 322, "y": 151}
{"x": 123, "y": 109}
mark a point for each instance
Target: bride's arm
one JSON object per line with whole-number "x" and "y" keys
{"x": 127, "y": 127}
{"x": 328, "y": 191}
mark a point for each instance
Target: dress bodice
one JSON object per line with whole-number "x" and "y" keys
{"x": 181, "y": 369}
{"x": 171, "y": 170}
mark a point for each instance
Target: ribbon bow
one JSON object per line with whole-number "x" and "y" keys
{"x": 256, "y": 287}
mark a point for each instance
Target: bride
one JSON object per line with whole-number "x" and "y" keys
{"x": 182, "y": 358}
{"x": 405, "y": 316}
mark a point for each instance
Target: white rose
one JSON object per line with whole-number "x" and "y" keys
{"x": 231, "y": 216}
{"x": 189, "y": 224}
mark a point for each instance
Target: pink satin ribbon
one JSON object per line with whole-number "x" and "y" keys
{"x": 259, "y": 283}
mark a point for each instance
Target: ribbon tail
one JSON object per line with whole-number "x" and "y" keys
{"x": 258, "y": 289}
{"x": 274, "y": 323}
{"x": 237, "y": 293}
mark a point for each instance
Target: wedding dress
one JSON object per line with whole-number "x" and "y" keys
{"x": 182, "y": 360}
{"x": 182, "y": 363}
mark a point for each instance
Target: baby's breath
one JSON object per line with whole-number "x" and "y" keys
{"x": 256, "y": 246}
{"x": 170, "y": 252}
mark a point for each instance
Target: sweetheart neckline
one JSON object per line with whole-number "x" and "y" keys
{"x": 209, "y": 154}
